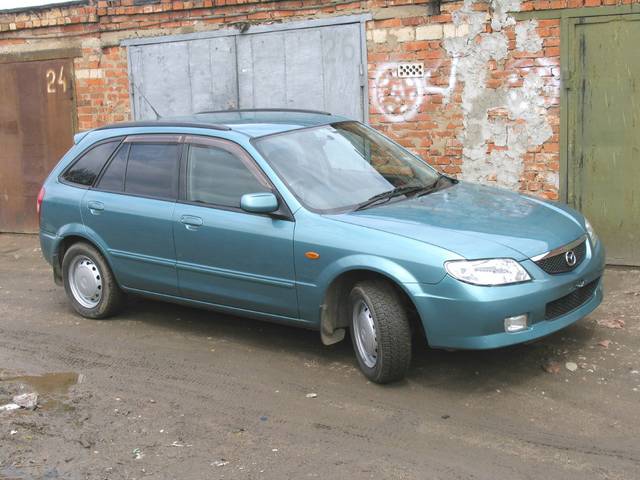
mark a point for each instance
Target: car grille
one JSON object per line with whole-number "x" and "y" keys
{"x": 558, "y": 263}
{"x": 570, "y": 302}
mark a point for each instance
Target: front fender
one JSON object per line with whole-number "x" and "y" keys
{"x": 342, "y": 247}
{"x": 312, "y": 296}
{"x": 383, "y": 266}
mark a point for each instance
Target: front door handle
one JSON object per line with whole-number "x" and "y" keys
{"x": 95, "y": 208}
{"x": 191, "y": 222}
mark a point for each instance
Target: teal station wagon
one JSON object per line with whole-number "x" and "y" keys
{"x": 315, "y": 221}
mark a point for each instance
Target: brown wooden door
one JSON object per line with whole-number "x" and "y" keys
{"x": 36, "y": 129}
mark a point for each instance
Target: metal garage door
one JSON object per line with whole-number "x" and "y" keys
{"x": 36, "y": 129}
{"x": 604, "y": 118}
{"x": 314, "y": 67}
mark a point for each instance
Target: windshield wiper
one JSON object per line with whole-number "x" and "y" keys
{"x": 431, "y": 188}
{"x": 416, "y": 190}
{"x": 388, "y": 195}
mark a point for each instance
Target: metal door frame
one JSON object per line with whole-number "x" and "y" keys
{"x": 258, "y": 29}
{"x": 37, "y": 55}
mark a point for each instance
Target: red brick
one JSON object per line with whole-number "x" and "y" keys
{"x": 416, "y": 45}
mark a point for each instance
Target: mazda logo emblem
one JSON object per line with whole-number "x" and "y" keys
{"x": 570, "y": 258}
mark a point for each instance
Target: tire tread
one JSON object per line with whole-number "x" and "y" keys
{"x": 393, "y": 330}
{"x": 112, "y": 296}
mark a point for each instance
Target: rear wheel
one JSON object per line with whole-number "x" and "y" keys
{"x": 89, "y": 282}
{"x": 380, "y": 331}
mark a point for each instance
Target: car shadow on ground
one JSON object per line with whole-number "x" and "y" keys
{"x": 461, "y": 371}
{"x": 484, "y": 370}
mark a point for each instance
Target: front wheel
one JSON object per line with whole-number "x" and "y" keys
{"x": 380, "y": 331}
{"x": 89, "y": 282}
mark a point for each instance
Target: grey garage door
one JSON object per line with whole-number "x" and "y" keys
{"x": 314, "y": 68}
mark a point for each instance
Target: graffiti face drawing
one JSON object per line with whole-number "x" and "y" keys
{"x": 399, "y": 99}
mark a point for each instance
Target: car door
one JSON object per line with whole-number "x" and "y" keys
{"x": 225, "y": 255}
{"x": 130, "y": 209}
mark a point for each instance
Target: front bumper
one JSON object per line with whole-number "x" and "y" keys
{"x": 462, "y": 316}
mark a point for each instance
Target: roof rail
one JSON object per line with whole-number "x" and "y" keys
{"x": 241, "y": 110}
{"x": 152, "y": 123}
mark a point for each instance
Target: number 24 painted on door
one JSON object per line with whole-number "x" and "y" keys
{"x": 51, "y": 80}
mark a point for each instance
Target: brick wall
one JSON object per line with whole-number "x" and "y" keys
{"x": 486, "y": 108}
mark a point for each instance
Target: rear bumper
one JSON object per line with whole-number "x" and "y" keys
{"x": 48, "y": 243}
{"x": 49, "y": 247}
{"x": 462, "y": 316}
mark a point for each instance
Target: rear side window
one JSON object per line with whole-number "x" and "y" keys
{"x": 86, "y": 169}
{"x": 216, "y": 176}
{"x": 152, "y": 170}
{"x": 113, "y": 177}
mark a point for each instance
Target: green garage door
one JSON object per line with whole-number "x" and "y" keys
{"x": 603, "y": 130}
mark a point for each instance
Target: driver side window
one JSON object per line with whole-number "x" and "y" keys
{"x": 218, "y": 177}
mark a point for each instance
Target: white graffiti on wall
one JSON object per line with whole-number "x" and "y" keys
{"x": 399, "y": 99}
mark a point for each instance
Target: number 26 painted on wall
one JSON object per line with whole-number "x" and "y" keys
{"x": 53, "y": 83}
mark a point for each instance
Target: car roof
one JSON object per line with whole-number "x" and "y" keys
{"x": 253, "y": 123}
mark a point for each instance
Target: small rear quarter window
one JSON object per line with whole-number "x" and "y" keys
{"x": 85, "y": 170}
{"x": 113, "y": 177}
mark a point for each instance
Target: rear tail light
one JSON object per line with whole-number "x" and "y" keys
{"x": 39, "y": 202}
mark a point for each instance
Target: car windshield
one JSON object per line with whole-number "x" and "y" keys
{"x": 341, "y": 166}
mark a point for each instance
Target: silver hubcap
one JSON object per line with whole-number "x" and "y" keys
{"x": 85, "y": 281}
{"x": 364, "y": 331}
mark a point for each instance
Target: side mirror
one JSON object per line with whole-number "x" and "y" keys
{"x": 259, "y": 202}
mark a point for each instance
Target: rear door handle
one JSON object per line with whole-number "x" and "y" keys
{"x": 191, "y": 222}
{"x": 95, "y": 207}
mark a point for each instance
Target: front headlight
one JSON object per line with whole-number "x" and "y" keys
{"x": 591, "y": 232}
{"x": 495, "y": 271}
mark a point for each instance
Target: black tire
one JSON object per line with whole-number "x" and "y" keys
{"x": 392, "y": 330}
{"x": 112, "y": 297}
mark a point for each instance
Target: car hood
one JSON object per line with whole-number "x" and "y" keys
{"x": 476, "y": 221}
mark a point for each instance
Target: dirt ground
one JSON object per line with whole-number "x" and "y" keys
{"x": 169, "y": 392}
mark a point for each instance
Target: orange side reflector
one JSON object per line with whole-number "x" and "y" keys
{"x": 312, "y": 255}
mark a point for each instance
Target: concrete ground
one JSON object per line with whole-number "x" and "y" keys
{"x": 169, "y": 392}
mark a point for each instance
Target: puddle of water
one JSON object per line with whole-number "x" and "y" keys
{"x": 15, "y": 473}
{"x": 10, "y": 473}
{"x": 49, "y": 386}
{"x": 47, "y": 383}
